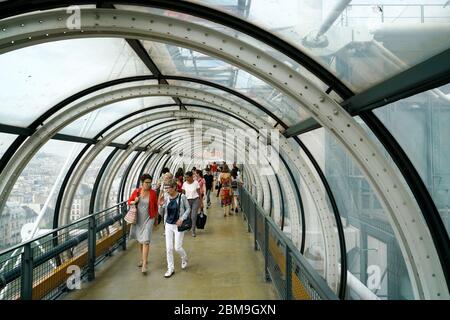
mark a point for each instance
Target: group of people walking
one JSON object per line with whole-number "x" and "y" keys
{"x": 175, "y": 199}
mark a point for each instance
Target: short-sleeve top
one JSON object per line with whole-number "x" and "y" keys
{"x": 191, "y": 189}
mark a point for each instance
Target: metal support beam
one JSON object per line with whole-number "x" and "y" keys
{"x": 27, "y": 132}
{"x": 139, "y": 49}
{"x": 301, "y": 127}
{"x": 426, "y": 75}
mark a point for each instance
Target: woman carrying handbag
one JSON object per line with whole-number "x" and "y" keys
{"x": 147, "y": 209}
{"x": 175, "y": 210}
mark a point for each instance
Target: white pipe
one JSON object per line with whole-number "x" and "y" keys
{"x": 352, "y": 282}
{"x": 359, "y": 288}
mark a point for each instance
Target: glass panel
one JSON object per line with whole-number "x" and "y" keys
{"x": 92, "y": 123}
{"x": 112, "y": 200}
{"x": 82, "y": 198}
{"x": 133, "y": 175}
{"x": 35, "y": 192}
{"x": 35, "y": 78}
{"x": 314, "y": 239}
{"x": 125, "y": 137}
{"x": 420, "y": 124}
{"x": 362, "y": 43}
{"x": 218, "y": 112}
{"x": 238, "y": 35}
{"x": 237, "y": 100}
{"x": 363, "y": 216}
{"x": 5, "y": 141}
{"x": 185, "y": 62}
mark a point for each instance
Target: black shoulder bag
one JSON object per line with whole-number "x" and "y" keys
{"x": 187, "y": 223}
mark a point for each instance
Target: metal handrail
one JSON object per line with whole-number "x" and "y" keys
{"x": 318, "y": 283}
{"x": 28, "y": 262}
{"x": 18, "y": 246}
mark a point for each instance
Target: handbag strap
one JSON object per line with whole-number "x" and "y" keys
{"x": 179, "y": 200}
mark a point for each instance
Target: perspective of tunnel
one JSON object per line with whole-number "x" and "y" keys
{"x": 350, "y": 100}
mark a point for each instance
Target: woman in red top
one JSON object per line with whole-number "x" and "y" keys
{"x": 179, "y": 177}
{"x": 147, "y": 209}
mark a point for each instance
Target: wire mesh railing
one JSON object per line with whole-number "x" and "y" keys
{"x": 42, "y": 267}
{"x": 293, "y": 277}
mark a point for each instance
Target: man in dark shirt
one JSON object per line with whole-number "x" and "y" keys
{"x": 209, "y": 179}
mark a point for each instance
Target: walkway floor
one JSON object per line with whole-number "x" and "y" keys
{"x": 222, "y": 265}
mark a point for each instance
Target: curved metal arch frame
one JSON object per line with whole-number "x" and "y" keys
{"x": 262, "y": 184}
{"x": 144, "y": 164}
{"x": 129, "y": 93}
{"x": 156, "y": 160}
{"x": 97, "y": 204}
{"x": 267, "y": 203}
{"x": 146, "y": 157}
{"x": 173, "y": 167}
{"x": 286, "y": 181}
{"x": 140, "y": 78}
{"x": 53, "y": 110}
{"x": 263, "y": 179}
{"x": 125, "y": 176}
{"x": 115, "y": 167}
{"x": 199, "y": 147}
{"x": 134, "y": 173}
{"x": 160, "y": 165}
{"x": 164, "y": 157}
{"x": 211, "y": 14}
{"x": 112, "y": 171}
{"x": 109, "y": 178}
{"x": 198, "y": 92}
{"x": 30, "y": 147}
{"x": 260, "y": 195}
{"x": 178, "y": 142}
{"x": 77, "y": 160}
{"x": 98, "y": 178}
{"x": 160, "y": 161}
{"x": 402, "y": 209}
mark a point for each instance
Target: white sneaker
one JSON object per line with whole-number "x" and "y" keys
{"x": 169, "y": 273}
{"x": 184, "y": 263}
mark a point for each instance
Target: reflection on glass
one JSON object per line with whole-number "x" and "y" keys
{"x": 238, "y": 35}
{"x": 82, "y": 198}
{"x": 369, "y": 262}
{"x": 126, "y": 136}
{"x": 175, "y": 60}
{"x": 242, "y": 103}
{"x": 421, "y": 125}
{"x": 314, "y": 240}
{"x": 35, "y": 78}
{"x": 92, "y": 123}
{"x": 35, "y": 192}
{"x": 362, "y": 42}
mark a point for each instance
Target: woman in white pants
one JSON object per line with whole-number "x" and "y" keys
{"x": 175, "y": 209}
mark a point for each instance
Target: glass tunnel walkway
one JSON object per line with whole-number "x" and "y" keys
{"x": 337, "y": 113}
{"x": 222, "y": 265}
